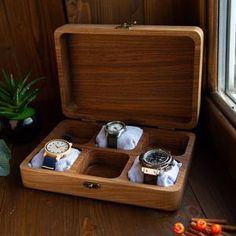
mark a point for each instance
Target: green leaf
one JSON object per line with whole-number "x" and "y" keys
{"x": 19, "y": 86}
{"x": 28, "y": 86}
{"x": 29, "y": 98}
{"x": 8, "y": 111}
{"x": 5, "y": 104}
{"x": 4, "y": 95}
{"x": 10, "y": 84}
{"x": 5, "y": 92}
{"x": 25, "y": 113}
{"x": 23, "y": 81}
{"x": 16, "y": 94}
{"x": 7, "y": 114}
{"x": 3, "y": 108}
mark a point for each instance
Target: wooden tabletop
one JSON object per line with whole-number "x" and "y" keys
{"x": 210, "y": 192}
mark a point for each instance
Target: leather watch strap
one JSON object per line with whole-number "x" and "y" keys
{"x": 150, "y": 179}
{"x": 111, "y": 141}
{"x": 49, "y": 163}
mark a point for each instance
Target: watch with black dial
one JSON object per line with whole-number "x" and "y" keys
{"x": 154, "y": 162}
{"x": 113, "y": 130}
{"x": 54, "y": 150}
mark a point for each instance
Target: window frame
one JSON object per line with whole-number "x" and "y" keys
{"x": 226, "y": 51}
{"x": 220, "y": 99}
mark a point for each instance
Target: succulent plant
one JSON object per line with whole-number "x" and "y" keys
{"x": 15, "y": 96}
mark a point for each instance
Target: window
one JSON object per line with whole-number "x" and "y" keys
{"x": 227, "y": 49}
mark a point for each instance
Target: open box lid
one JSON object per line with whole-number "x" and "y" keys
{"x": 146, "y": 75}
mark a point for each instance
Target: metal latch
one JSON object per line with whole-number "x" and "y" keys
{"x": 91, "y": 185}
{"x": 126, "y": 25}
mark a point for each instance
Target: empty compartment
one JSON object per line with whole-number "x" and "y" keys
{"x": 173, "y": 141}
{"x": 79, "y": 132}
{"x": 104, "y": 164}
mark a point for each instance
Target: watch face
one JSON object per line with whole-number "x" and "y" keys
{"x": 156, "y": 157}
{"x": 115, "y": 127}
{"x": 57, "y": 146}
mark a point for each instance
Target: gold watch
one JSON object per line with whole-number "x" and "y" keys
{"x": 54, "y": 150}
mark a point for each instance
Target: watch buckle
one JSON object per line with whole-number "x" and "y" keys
{"x": 48, "y": 167}
{"x": 150, "y": 171}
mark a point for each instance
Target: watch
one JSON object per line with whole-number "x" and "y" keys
{"x": 54, "y": 150}
{"x": 113, "y": 130}
{"x": 153, "y": 163}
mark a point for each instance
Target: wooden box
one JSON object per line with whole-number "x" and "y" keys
{"x": 149, "y": 76}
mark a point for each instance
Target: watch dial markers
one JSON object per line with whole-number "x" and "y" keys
{"x": 57, "y": 146}
{"x": 155, "y": 158}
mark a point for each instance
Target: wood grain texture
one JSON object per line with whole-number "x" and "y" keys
{"x": 109, "y": 168}
{"x": 2, "y": 190}
{"x": 109, "y": 74}
{"x": 87, "y": 229}
{"x": 26, "y": 31}
{"x": 27, "y": 44}
{"x": 209, "y": 193}
{"x": 216, "y": 193}
{"x": 104, "y": 11}
{"x": 202, "y": 16}
{"x": 171, "y": 12}
{"x": 154, "y": 12}
{"x": 168, "y": 12}
{"x": 212, "y": 46}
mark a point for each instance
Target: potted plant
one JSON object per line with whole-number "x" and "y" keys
{"x": 19, "y": 121}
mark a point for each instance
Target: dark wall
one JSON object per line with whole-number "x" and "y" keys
{"x": 27, "y": 44}
{"x": 172, "y": 12}
{"x": 26, "y": 40}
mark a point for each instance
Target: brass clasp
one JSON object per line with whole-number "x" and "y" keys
{"x": 126, "y": 25}
{"x": 92, "y": 185}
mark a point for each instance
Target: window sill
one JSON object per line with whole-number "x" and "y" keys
{"x": 232, "y": 95}
{"x": 225, "y": 105}
{"x": 221, "y": 132}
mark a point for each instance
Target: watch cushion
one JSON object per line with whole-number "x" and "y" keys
{"x": 168, "y": 178}
{"x": 61, "y": 165}
{"x": 128, "y": 140}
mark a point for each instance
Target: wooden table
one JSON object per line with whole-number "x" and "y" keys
{"x": 210, "y": 192}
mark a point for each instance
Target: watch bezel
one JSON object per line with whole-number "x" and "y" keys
{"x": 57, "y": 155}
{"x": 115, "y": 133}
{"x": 160, "y": 167}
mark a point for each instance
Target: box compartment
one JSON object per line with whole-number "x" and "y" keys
{"x": 175, "y": 142}
{"x": 104, "y": 164}
{"x": 148, "y": 76}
